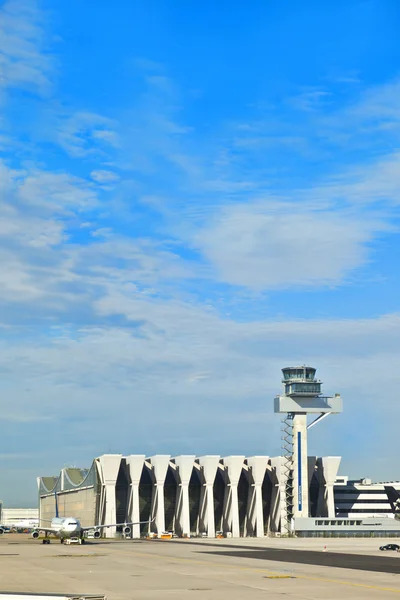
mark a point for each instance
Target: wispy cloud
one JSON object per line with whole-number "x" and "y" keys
{"x": 371, "y": 182}
{"x": 103, "y": 176}
{"x": 82, "y": 133}
{"x": 262, "y": 246}
{"x": 24, "y": 62}
{"x": 310, "y": 99}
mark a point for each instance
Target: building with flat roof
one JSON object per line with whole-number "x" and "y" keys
{"x": 25, "y": 517}
{"x": 362, "y": 498}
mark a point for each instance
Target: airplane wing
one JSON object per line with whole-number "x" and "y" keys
{"x": 126, "y": 524}
{"x": 45, "y": 530}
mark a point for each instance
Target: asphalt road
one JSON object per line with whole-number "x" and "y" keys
{"x": 360, "y": 562}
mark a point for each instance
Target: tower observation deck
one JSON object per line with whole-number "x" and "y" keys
{"x": 302, "y": 393}
{"x": 302, "y": 396}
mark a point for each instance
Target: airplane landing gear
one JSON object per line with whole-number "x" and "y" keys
{"x": 46, "y": 541}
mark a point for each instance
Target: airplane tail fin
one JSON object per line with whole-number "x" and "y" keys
{"x": 394, "y": 499}
{"x": 56, "y": 499}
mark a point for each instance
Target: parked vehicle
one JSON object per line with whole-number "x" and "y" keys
{"x": 394, "y": 547}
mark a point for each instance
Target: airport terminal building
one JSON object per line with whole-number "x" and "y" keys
{"x": 235, "y": 495}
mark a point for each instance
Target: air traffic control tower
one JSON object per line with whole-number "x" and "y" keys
{"x": 301, "y": 397}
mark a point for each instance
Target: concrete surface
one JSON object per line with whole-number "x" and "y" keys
{"x": 195, "y": 569}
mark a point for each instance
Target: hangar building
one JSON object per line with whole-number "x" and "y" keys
{"x": 200, "y": 496}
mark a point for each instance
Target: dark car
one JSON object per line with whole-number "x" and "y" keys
{"x": 390, "y": 547}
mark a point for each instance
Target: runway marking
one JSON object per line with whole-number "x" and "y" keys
{"x": 77, "y": 555}
{"x": 273, "y": 573}
{"x": 280, "y": 577}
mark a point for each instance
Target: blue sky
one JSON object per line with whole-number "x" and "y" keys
{"x": 192, "y": 196}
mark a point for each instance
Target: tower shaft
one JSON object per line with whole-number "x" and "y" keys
{"x": 300, "y": 466}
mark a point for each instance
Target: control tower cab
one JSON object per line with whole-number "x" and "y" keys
{"x": 302, "y": 393}
{"x": 301, "y": 381}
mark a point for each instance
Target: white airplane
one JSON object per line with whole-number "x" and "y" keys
{"x": 70, "y": 527}
{"x": 24, "y": 524}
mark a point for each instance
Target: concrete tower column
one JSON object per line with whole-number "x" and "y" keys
{"x": 184, "y": 470}
{"x": 160, "y": 464}
{"x": 255, "y": 514}
{"x": 110, "y": 464}
{"x": 330, "y": 468}
{"x": 233, "y": 470}
{"x": 300, "y": 466}
{"x": 135, "y": 464}
{"x": 209, "y": 466}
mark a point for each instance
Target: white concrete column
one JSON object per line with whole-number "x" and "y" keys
{"x": 278, "y": 498}
{"x": 135, "y": 464}
{"x": 160, "y": 464}
{"x": 209, "y": 466}
{"x": 300, "y": 464}
{"x": 257, "y": 467}
{"x": 233, "y": 470}
{"x": 330, "y": 468}
{"x": 184, "y": 465}
{"x": 110, "y": 464}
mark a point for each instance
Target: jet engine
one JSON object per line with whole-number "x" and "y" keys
{"x": 97, "y": 534}
{"x": 126, "y": 530}
{"x": 1, "y": 531}
{"x": 35, "y": 535}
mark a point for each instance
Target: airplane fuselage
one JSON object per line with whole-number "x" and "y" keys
{"x": 67, "y": 527}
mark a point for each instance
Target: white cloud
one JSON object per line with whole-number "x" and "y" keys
{"x": 152, "y": 366}
{"x": 39, "y": 213}
{"x": 36, "y": 208}
{"x": 106, "y": 135}
{"x": 171, "y": 351}
{"x": 23, "y": 60}
{"x": 262, "y": 246}
{"x": 132, "y": 338}
{"x": 86, "y": 133}
{"x": 58, "y": 192}
{"x": 310, "y": 99}
{"x": 103, "y": 176}
{"x": 378, "y": 106}
{"x": 375, "y": 182}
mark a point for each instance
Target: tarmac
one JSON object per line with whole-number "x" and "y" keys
{"x": 306, "y": 569}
